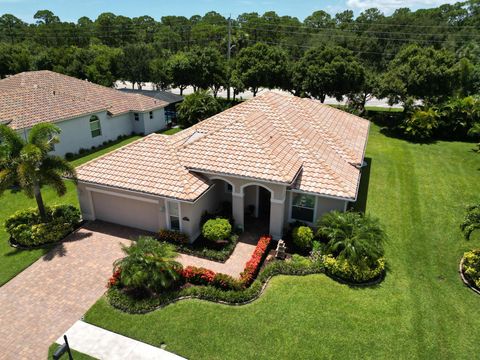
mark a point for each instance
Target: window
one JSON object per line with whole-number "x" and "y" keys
{"x": 136, "y": 116}
{"x": 303, "y": 207}
{"x": 174, "y": 215}
{"x": 95, "y": 128}
{"x": 151, "y": 114}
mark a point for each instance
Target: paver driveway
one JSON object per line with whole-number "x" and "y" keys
{"x": 42, "y": 302}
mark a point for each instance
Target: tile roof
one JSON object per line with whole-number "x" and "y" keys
{"x": 166, "y": 96}
{"x": 38, "y": 96}
{"x": 274, "y": 137}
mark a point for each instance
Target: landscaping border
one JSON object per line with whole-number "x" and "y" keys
{"x": 368, "y": 283}
{"x": 292, "y": 270}
{"x": 464, "y": 279}
{"x": 16, "y": 245}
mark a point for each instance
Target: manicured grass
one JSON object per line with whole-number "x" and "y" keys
{"x": 12, "y": 261}
{"x": 171, "y": 131}
{"x": 75, "y": 354}
{"x": 421, "y": 310}
{"x": 383, "y": 109}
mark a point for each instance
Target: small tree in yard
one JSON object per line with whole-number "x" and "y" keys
{"x": 197, "y": 107}
{"x": 148, "y": 265}
{"x": 29, "y": 164}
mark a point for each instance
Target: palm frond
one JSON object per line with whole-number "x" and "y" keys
{"x": 44, "y": 136}
{"x": 11, "y": 143}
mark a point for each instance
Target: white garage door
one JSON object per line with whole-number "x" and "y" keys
{"x": 125, "y": 211}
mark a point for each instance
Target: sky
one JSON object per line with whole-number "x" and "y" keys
{"x": 69, "y": 10}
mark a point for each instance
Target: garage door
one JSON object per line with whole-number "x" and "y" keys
{"x": 126, "y": 211}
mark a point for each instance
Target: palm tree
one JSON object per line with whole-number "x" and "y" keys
{"x": 149, "y": 264}
{"x": 352, "y": 236}
{"x": 29, "y": 164}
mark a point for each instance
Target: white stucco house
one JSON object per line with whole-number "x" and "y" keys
{"x": 87, "y": 114}
{"x": 275, "y": 158}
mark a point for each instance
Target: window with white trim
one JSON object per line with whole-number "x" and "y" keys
{"x": 303, "y": 207}
{"x": 136, "y": 116}
{"x": 174, "y": 215}
{"x": 151, "y": 115}
{"x": 95, "y": 127}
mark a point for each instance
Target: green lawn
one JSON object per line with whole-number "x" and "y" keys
{"x": 13, "y": 261}
{"x": 421, "y": 310}
{"x": 171, "y": 131}
{"x": 75, "y": 354}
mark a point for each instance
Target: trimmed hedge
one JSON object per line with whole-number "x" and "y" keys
{"x": 471, "y": 267}
{"x": 27, "y": 229}
{"x": 217, "y": 229}
{"x": 207, "y": 250}
{"x": 302, "y": 237}
{"x": 351, "y": 273}
{"x": 122, "y": 301}
{"x": 172, "y": 236}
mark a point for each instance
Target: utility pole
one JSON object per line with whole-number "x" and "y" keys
{"x": 229, "y": 53}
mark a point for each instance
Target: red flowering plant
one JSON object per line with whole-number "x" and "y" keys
{"x": 253, "y": 265}
{"x": 198, "y": 276}
{"x": 115, "y": 278}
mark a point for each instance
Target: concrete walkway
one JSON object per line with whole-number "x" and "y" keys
{"x": 106, "y": 345}
{"x": 43, "y": 301}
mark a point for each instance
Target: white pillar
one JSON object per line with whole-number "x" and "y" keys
{"x": 277, "y": 211}
{"x": 238, "y": 210}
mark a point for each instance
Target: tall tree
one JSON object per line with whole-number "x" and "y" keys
{"x": 331, "y": 70}
{"x": 29, "y": 164}
{"x": 262, "y": 65}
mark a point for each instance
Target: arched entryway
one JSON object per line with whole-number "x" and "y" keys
{"x": 223, "y": 197}
{"x": 257, "y": 205}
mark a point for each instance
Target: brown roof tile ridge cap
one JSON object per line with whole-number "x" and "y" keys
{"x": 263, "y": 145}
{"x": 349, "y": 155}
{"x": 332, "y": 172}
{"x": 123, "y": 147}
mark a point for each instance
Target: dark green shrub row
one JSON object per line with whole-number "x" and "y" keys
{"x": 174, "y": 237}
{"x": 123, "y": 301}
{"x": 82, "y": 151}
{"x": 208, "y": 251}
{"x": 27, "y": 229}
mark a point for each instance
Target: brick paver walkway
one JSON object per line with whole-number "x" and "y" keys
{"x": 47, "y": 298}
{"x": 42, "y": 302}
{"x": 235, "y": 263}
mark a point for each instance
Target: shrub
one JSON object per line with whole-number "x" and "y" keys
{"x": 217, "y": 229}
{"x": 197, "y": 107}
{"x": 148, "y": 265}
{"x": 353, "y": 237}
{"x": 25, "y": 226}
{"x": 421, "y": 124}
{"x": 172, "y": 236}
{"x": 198, "y": 276}
{"x": 345, "y": 270}
{"x": 471, "y": 267}
{"x": 302, "y": 237}
{"x": 253, "y": 265}
{"x": 471, "y": 221}
{"x": 69, "y": 156}
{"x": 226, "y": 282}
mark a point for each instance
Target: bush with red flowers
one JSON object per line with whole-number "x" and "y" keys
{"x": 253, "y": 265}
{"x": 198, "y": 276}
{"x": 113, "y": 281}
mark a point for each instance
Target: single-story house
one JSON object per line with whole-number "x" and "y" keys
{"x": 277, "y": 158}
{"x": 87, "y": 114}
{"x": 170, "y": 98}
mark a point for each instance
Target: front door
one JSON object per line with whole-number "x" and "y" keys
{"x": 263, "y": 203}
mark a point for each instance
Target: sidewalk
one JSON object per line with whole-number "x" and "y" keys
{"x": 106, "y": 345}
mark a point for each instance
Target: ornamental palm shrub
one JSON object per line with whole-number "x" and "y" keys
{"x": 148, "y": 265}
{"x": 29, "y": 163}
{"x": 197, "y": 107}
{"x": 471, "y": 221}
{"x": 353, "y": 237}
{"x": 474, "y": 132}
{"x": 421, "y": 124}
{"x": 217, "y": 229}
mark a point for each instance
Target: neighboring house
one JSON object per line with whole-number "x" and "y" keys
{"x": 283, "y": 157}
{"x": 88, "y": 114}
{"x": 170, "y": 98}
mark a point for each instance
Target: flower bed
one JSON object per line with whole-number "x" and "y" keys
{"x": 253, "y": 265}
{"x": 470, "y": 269}
{"x": 122, "y": 301}
{"x": 352, "y": 274}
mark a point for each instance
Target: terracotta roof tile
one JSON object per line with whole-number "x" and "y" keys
{"x": 278, "y": 138}
{"x": 45, "y": 96}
